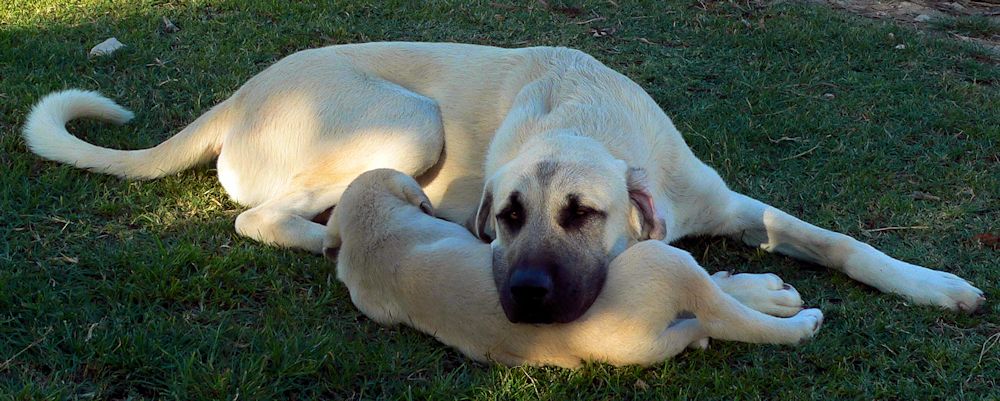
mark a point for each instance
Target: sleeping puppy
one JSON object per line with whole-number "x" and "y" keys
{"x": 403, "y": 265}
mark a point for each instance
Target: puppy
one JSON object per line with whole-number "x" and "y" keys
{"x": 403, "y": 265}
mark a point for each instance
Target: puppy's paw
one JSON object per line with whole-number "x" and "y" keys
{"x": 805, "y": 325}
{"x": 765, "y": 293}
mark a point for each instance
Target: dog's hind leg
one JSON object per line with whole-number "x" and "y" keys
{"x": 391, "y": 127}
{"x": 771, "y": 229}
{"x": 286, "y": 220}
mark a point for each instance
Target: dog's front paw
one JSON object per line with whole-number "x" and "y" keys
{"x": 932, "y": 287}
{"x": 916, "y": 283}
{"x": 762, "y": 292}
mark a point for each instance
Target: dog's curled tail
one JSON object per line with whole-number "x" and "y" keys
{"x": 46, "y": 135}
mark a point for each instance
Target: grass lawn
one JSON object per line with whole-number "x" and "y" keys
{"x": 111, "y": 289}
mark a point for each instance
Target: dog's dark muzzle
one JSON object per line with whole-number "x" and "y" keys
{"x": 539, "y": 293}
{"x": 531, "y": 291}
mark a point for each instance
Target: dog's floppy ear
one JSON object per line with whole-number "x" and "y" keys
{"x": 484, "y": 216}
{"x": 651, "y": 225}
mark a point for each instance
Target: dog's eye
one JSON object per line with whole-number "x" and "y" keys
{"x": 511, "y": 215}
{"x": 512, "y": 218}
{"x": 576, "y": 216}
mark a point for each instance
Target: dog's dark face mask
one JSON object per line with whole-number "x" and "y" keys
{"x": 557, "y": 226}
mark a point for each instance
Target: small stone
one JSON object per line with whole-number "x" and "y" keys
{"x": 641, "y": 385}
{"x": 106, "y": 47}
{"x": 829, "y": 96}
{"x": 900, "y": 46}
{"x": 922, "y": 18}
{"x": 168, "y": 26}
{"x": 955, "y": 6}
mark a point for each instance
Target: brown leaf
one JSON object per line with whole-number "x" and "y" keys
{"x": 988, "y": 240}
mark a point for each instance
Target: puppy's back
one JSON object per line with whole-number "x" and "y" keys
{"x": 393, "y": 251}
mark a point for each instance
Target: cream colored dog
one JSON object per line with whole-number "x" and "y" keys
{"x": 561, "y": 160}
{"x": 404, "y": 266}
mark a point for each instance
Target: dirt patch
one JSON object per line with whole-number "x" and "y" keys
{"x": 976, "y": 21}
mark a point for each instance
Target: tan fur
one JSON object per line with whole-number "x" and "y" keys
{"x": 403, "y": 266}
{"x": 457, "y": 116}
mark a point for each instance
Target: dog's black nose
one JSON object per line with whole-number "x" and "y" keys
{"x": 530, "y": 288}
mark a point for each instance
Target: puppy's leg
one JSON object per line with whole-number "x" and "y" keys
{"x": 773, "y": 230}
{"x": 650, "y": 283}
{"x": 721, "y": 316}
{"x": 285, "y": 220}
{"x": 687, "y": 333}
{"x": 762, "y": 292}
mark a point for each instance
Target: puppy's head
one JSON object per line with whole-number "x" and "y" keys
{"x": 372, "y": 196}
{"x": 558, "y": 217}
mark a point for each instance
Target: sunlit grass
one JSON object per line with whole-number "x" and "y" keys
{"x": 114, "y": 289}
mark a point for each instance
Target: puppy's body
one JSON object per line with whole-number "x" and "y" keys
{"x": 402, "y": 265}
{"x": 545, "y": 129}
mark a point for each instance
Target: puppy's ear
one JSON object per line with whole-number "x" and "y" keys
{"x": 651, "y": 225}
{"x": 484, "y": 216}
{"x": 412, "y": 193}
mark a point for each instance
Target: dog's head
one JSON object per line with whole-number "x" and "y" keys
{"x": 558, "y": 218}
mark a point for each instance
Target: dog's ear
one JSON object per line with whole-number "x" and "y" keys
{"x": 651, "y": 225}
{"x": 484, "y": 216}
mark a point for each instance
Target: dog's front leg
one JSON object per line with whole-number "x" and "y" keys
{"x": 773, "y": 230}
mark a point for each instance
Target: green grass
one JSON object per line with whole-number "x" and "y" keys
{"x": 112, "y": 289}
{"x": 976, "y": 26}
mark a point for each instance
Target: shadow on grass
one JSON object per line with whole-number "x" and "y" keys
{"x": 142, "y": 288}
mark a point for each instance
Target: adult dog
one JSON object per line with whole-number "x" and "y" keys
{"x": 403, "y": 266}
{"x": 568, "y": 161}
